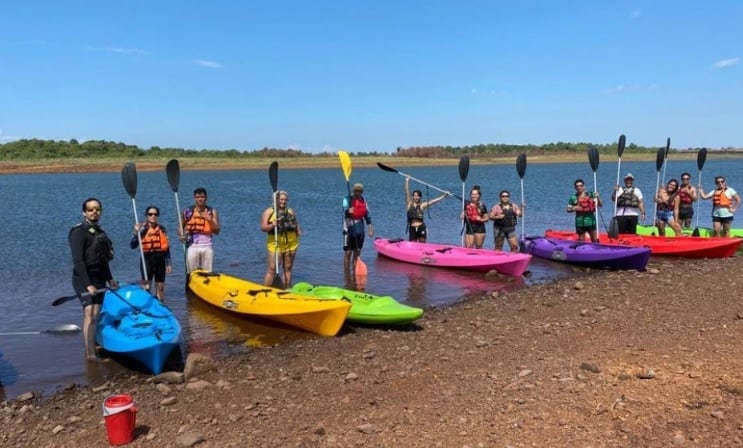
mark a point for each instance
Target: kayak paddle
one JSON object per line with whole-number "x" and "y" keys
{"x": 701, "y": 158}
{"x": 66, "y": 299}
{"x": 59, "y": 329}
{"x": 659, "y": 159}
{"x": 129, "y": 178}
{"x": 464, "y": 169}
{"x": 614, "y": 226}
{"x": 173, "y": 171}
{"x": 393, "y": 170}
{"x": 593, "y": 159}
{"x": 273, "y": 177}
{"x": 359, "y": 267}
{"x": 521, "y": 170}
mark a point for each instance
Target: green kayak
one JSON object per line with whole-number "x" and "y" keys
{"x": 703, "y": 231}
{"x": 365, "y": 308}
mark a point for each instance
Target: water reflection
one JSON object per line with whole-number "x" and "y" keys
{"x": 212, "y": 331}
{"x": 431, "y": 286}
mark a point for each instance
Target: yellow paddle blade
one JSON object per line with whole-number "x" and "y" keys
{"x": 345, "y": 164}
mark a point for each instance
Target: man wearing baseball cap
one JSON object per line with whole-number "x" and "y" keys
{"x": 629, "y": 205}
{"x": 355, "y": 214}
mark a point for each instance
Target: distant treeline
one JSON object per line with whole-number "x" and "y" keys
{"x": 35, "y": 149}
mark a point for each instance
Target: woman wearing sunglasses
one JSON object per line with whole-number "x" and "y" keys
{"x": 156, "y": 249}
{"x": 725, "y": 201}
{"x": 504, "y": 215}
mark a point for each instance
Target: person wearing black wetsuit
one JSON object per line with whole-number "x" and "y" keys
{"x": 91, "y": 251}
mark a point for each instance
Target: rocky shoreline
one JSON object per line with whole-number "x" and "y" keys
{"x": 606, "y": 359}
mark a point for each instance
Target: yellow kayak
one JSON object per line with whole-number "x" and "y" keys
{"x": 244, "y": 297}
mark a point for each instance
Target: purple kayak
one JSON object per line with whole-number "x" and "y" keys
{"x": 587, "y": 254}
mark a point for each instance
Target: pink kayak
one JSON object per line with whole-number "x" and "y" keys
{"x": 455, "y": 257}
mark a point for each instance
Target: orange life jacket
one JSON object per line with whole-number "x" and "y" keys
{"x": 721, "y": 199}
{"x": 197, "y": 224}
{"x": 155, "y": 240}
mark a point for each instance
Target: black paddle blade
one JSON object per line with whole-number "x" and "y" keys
{"x": 701, "y": 158}
{"x": 668, "y": 146}
{"x": 521, "y": 165}
{"x": 659, "y": 158}
{"x": 173, "y": 170}
{"x": 387, "y": 168}
{"x": 129, "y": 177}
{"x": 273, "y": 175}
{"x": 277, "y": 282}
{"x": 613, "y": 230}
{"x": 62, "y": 300}
{"x": 593, "y": 158}
{"x": 620, "y": 145}
{"x": 464, "y": 167}
{"x": 695, "y": 232}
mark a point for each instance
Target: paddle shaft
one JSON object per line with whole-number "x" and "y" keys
{"x": 393, "y": 170}
{"x": 68, "y": 328}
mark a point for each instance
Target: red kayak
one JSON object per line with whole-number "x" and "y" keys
{"x": 684, "y": 246}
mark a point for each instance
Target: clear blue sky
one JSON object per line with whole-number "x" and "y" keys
{"x": 372, "y": 75}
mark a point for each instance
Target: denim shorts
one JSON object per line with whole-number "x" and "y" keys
{"x": 665, "y": 216}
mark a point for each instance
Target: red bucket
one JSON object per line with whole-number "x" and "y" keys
{"x": 121, "y": 416}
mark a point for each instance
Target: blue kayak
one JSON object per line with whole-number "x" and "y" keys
{"x": 137, "y": 325}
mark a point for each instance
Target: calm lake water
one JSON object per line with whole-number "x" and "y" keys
{"x": 40, "y": 209}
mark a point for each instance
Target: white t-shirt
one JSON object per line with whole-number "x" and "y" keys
{"x": 623, "y": 210}
{"x": 724, "y": 212}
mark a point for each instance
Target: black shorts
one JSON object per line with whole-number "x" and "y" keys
{"x": 472, "y": 228}
{"x": 156, "y": 264}
{"x": 505, "y": 232}
{"x": 722, "y": 220}
{"x": 627, "y": 224}
{"x": 80, "y": 289}
{"x": 417, "y": 232}
{"x": 580, "y": 230}
{"x": 686, "y": 211}
{"x": 353, "y": 241}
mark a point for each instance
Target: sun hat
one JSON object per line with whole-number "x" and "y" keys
{"x": 359, "y": 187}
{"x": 629, "y": 175}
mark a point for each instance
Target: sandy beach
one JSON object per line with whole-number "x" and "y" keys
{"x": 604, "y": 359}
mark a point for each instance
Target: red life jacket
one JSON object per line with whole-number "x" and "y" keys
{"x": 359, "y": 207}
{"x": 586, "y": 203}
{"x": 685, "y": 197}
{"x": 474, "y": 211}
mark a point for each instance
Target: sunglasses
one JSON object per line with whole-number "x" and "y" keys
{"x": 153, "y": 214}
{"x": 684, "y": 178}
{"x": 720, "y": 181}
{"x": 579, "y": 186}
{"x": 505, "y": 196}
{"x": 94, "y": 209}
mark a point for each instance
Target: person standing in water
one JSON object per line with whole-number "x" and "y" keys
{"x": 156, "y": 249}
{"x": 417, "y": 230}
{"x": 505, "y": 215}
{"x": 285, "y": 221}
{"x": 91, "y": 251}
{"x": 200, "y": 224}
{"x": 355, "y": 214}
